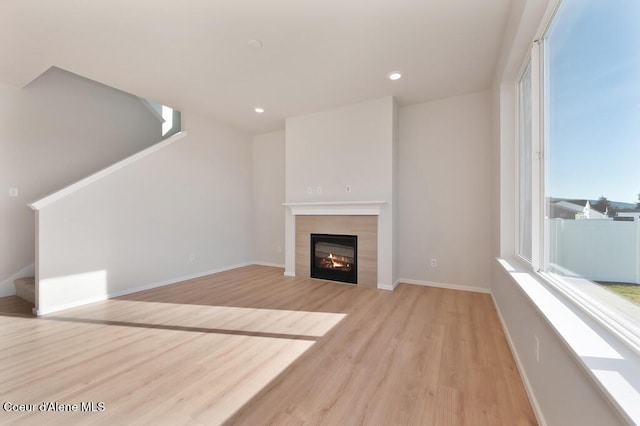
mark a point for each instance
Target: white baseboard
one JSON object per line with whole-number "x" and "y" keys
{"x": 58, "y": 308}
{"x": 388, "y": 287}
{"x": 289, "y": 274}
{"x": 177, "y": 280}
{"x": 525, "y": 379}
{"x": 7, "y": 288}
{"x": 447, "y": 286}
{"x": 273, "y": 265}
{"x": 75, "y": 304}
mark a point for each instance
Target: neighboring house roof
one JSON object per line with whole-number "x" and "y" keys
{"x": 568, "y": 205}
{"x": 591, "y": 213}
{"x": 634, "y": 213}
{"x": 568, "y": 209}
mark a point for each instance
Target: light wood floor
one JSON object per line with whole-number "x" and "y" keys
{"x": 252, "y": 347}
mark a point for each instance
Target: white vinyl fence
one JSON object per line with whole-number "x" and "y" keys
{"x": 599, "y": 250}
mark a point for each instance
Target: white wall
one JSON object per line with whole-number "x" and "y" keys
{"x": 139, "y": 226}
{"x": 445, "y": 193}
{"x": 268, "y": 189}
{"x": 57, "y": 130}
{"x": 351, "y": 145}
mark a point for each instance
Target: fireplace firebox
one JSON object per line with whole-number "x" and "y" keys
{"x": 334, "y": 257}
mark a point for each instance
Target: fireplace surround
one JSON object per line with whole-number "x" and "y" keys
{"x": 365, "y": 227}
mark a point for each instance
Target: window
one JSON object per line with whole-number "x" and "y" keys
{"x": 169, "y": 117}
{"x": 524, "y": 164}
{"x": 590, "y": 94}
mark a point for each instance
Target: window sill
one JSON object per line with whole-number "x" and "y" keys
{"x": 618, "y": 315}
{"x": 613, "y": 366}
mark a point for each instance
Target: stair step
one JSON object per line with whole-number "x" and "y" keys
{"x": 26, "y": 289}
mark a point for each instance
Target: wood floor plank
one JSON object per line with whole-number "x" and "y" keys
{"x": 16, "y": 306}
{"x": 251, "y": 347}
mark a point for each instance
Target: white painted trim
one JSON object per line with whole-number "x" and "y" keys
{"x": 176, "y": 280}
{"x": 7, "y": 287}
{"x": 289, "y": 274}
{"x": 272, "y": 265}
{"x": 527, "y": 384}
{"x": 40, "y": 312}
{"x": 388, "y": 287}
{"x": 337, "y": 208}
{"x": 447, "y": 286}
{"x": 52, "y": 198}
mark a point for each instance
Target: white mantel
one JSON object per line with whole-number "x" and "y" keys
{"x": 337, "y": 208}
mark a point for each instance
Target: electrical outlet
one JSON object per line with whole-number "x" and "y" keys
{"x": 536, "y": 348}
{"x": 309, "y": 190}
{"x": 192, "y": 257}
{"x": 13, "y": 192}
{"x": 319, "y": 190}
{"x": 434, "y": 262}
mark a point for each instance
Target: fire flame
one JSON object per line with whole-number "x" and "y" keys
{"x": 334, "y": 262}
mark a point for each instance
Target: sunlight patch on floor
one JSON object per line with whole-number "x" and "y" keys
{"x": 226, "y": 356}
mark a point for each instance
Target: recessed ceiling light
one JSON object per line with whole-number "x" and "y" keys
{"x": 259, "y": 110}
{"x": 255, "y": 44}
{"x": 395, "y": 75}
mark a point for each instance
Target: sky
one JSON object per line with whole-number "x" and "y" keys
{"x": 593, "y": 104}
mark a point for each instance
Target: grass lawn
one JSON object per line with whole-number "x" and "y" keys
{"x": 628, "y": 291}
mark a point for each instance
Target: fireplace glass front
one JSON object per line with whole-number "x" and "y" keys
{"x": 334, "y": 257}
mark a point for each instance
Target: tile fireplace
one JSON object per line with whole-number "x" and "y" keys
{"x": 369, "y": 221}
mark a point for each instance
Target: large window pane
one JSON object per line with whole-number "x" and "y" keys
{"x": 593, "y": 150}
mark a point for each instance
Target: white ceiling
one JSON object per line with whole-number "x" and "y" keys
{"x": 316, "y": 54}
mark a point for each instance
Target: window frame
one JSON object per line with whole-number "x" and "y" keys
{"x": 534, "y": 61}
{"x": 605, "y": 315}
{"x": 526, "y": 66}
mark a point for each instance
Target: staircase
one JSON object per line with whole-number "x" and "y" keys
{"x": 26, "y": 289}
